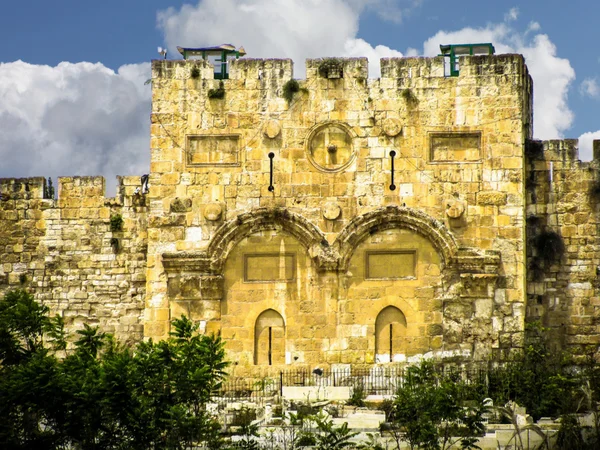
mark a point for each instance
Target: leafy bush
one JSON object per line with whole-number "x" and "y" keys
{"x": 330, "y": 65}
{"x": 219, "y": 93}
{"x": 289, "y": 89}
{"x": 432, "y": 407}
{"x": 116, "y": 222}
{"x": 102, "y": 395}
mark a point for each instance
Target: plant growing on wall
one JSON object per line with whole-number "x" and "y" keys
{"x": 218, "y": 93}
{"x": 290, "y": 88}
{"x": 409, "y": 96}
{"x": 116, "y": 222}
{"x": 195, "y": 72}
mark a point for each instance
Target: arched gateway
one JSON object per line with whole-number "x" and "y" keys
{"x": 392, "y": 270}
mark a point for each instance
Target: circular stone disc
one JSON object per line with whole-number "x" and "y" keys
{"x": 331, "y": 211}
{"x": 391, "y": 126}
{"x": 330, "y": 147}
{"x": 213, "y": 212}
{"x": 272, "y": 129}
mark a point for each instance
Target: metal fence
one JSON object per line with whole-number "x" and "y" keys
{"x": 377, "y": 380}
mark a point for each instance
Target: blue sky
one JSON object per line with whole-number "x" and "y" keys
{"x": 76, "y": 104}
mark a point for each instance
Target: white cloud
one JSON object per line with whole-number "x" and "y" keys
{"x": 512, "y": 14}
{"x": 533, "y": 26}
{"x": 586, "y": 145}
{"x": 276, "y": 28}
{"x": 74, "y": 119}
{"x": 552, "y": 76}
{"x": 590, "y": 87}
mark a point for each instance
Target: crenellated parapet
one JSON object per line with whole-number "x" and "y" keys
{"x": 82, "y": 254}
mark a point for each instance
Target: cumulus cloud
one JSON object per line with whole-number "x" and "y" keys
{"x": 277, "y": 28}
{"x": 552, "y": 75}
{"x": 590, "y": 88}
{"x": 586, "y": 144}
{"x": 74, "y": 119}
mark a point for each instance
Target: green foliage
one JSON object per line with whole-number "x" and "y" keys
{"x": 218, "y": 93}
{"x": 290, "y": 88}
{"x": 358, "y": 395}
{"x": 102, "y": 395}
{"x": 195, "y": 72}
{"x": 431, "y": 410}
{"x": 116, "y": 222}
{"x": 539, "y": 378}
{"x": 570, "y": 434}
{"x": 409, "y": 96}
{"x": 330, "y": 437}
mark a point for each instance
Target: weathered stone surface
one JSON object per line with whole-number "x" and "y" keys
{"x": 491, "y": 198}
{"x": 272, "y": 129}
{"x": 339, "y": 267}
{"x": 180, "y": 205}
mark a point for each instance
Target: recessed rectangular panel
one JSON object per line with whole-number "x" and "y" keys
{"x": 455, "y": 147}
{"x": 391, "y": 265}
{"x": 269, "y": 267}
{"x": 213, "y": 150}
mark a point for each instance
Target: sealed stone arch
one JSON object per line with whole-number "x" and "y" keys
{"x": 269, "y": 338}
{"x": 233, "y": 231}
{"x": 390, "y": 332}
{"x": 396, "y": 217}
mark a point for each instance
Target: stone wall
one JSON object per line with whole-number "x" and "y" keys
{"x": 563, "y": 220}
{"x": 279, "y": 222}
{"x": 64, "y": 251}
{"x": 458, "y": 188}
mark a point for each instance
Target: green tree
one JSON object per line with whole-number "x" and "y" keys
{"x": 103, "y": 395}
{"x": 433, "y": 410}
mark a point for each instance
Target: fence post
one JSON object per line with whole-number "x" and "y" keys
{"x": 281, "y": 383}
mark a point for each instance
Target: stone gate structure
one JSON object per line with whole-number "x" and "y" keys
{"x": 340, "y": 220}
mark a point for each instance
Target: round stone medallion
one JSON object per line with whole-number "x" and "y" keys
{"x": 331, "y": 211}
{"x": 330, "y": 147}
{"x": 272, "y": 129}
{"x": 391, "y": 127}
{"x": 213, "y": 212}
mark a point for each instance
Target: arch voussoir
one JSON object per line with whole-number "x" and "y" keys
{"x": 262, "y": 219}
{"x": 396, "y": 217}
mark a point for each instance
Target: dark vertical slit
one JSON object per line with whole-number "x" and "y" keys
{"x": 270, "y": 346}
{"x": 391, "y": 334}
{"x": 392, "y": 185}
{"x": 271, "y": 187}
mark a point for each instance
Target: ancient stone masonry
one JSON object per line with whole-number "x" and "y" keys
{"x": 563, "y": 206}
{"x": 275, "y": 221}
{"x": 65, "y": 252}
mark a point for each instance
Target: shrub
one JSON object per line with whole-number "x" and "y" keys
{"x": 290, "y": 89}
{"x": 116, "y": 222}
{"x": 431, "y": 408}
{"x": 102, "y": 394}
{"x": 218, "y": 93}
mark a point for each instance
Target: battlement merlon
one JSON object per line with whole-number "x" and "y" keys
{"x": 404, "y": 67}
{"x": 565, "y": 152}
{"x": 23, "y": 188}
